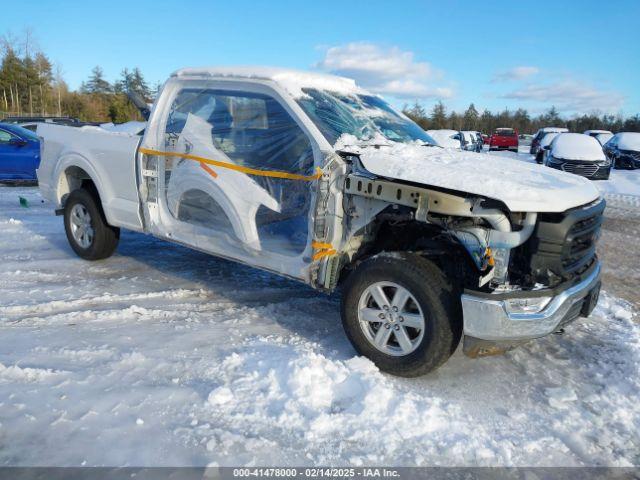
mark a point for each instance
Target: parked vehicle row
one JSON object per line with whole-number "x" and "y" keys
{"x": 447, "y": 138}
{"x": 31, "y": 122}
{"x": 539, "y": 135}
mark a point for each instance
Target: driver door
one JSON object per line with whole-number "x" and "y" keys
{"x": 235, "y": 176}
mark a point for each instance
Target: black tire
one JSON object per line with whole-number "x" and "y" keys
{"x": 437, "y": 296}
{"x": 105, "y": 238}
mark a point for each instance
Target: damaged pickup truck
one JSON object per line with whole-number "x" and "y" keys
{"x": 311, "y": 177}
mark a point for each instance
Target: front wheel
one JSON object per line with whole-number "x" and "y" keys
{"x": 401, "y": 312}
{"x": 88, "y": 232}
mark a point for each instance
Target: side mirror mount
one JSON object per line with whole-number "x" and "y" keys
{"x": 17, "y": 142}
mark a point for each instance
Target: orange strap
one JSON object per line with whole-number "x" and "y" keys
{"x": 323, "y": 253}
{"x": 208, "y": 169}
{"x": 237, "y": 168}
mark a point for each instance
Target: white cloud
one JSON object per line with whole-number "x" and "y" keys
{"x": 569, "y": 96}
{"x": 516, "y": 73}
{"x": 386, "y": 70}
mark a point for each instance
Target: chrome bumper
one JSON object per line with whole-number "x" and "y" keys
{"x": 489, "y": 319}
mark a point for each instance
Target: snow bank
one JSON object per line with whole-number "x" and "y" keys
{"x": 193, "y": 360}
{"x": 522, "y": 187}
{"x": 576, "y": 146}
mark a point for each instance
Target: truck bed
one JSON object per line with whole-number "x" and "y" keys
{"x": 71, "y": 154}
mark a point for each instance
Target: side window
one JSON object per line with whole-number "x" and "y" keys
{"x": 252, "y": 129}
{"x": 5, "y": 137}
{"x": 243, "y": 168}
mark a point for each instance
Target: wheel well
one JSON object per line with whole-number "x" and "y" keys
{"x": 427, "y": 240}
{"x": 75, "y": 178}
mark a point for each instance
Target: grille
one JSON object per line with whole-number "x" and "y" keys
{"x": 581, "y": 242}
{"x": 564, "y": 244}
{"x": 586, "y": 170}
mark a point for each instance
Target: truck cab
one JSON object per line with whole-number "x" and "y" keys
{"x": 312, "y": 177}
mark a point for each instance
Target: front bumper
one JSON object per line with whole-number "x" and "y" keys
{"x": 488, "y": 319}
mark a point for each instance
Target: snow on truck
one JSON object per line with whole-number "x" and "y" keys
{"x": 311, "y": 177}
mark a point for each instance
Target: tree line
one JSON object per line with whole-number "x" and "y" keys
{"x": 487, "y": 122}
{"x": 29, "y": 85}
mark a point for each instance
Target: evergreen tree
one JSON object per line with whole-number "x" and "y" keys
{"x": 454, "y": 121}
{"x": 418, "y": 114}
{"x": 96, "y": 83}
{"x": 471, "y": 118}
{"x": 439, "y": 116}
{"x": 552, "y": 118}
{"x": 487, "y": 122}
{"x": 138, "y": 84}
{"x": 123, "y": 84}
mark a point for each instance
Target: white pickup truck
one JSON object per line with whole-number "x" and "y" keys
{"x": 312, "y": 177}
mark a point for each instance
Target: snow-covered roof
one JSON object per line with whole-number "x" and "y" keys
{"x": 291, "y": 80}
{"x": 576, "y": 146}
{"x": 594, "y": 132}
{"x": 469, "y": 135}
{"x": 629, "y": 141}
{"x": 444, "y": 138}
{"x": 554, "y": 129}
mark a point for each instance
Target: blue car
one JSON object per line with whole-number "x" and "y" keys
{"x": 19, "y": 153}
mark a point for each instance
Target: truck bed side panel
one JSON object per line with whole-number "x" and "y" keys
{"x": 108, "y": 158}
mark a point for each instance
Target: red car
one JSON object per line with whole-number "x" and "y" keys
{"x": 504, "y": 139}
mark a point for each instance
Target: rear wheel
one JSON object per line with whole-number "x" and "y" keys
{"x": 400, "y": 311}
{"x": 88, "y": 232}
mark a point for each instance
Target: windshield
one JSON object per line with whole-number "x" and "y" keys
{"x": 504, "y": 132}
{"x": 362, "y": 116}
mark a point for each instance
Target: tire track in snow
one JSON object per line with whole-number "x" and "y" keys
{"x": 66, "y": 306}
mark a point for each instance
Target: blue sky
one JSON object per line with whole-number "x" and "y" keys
{"x": 580, "y": 56}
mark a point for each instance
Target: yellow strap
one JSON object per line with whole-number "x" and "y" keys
{"x": 321, "y": 245}
{"x": 238, "y": 168}
{"x": 323, "y": 253}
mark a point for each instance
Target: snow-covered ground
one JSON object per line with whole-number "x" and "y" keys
{"x": 165, "y": 356}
